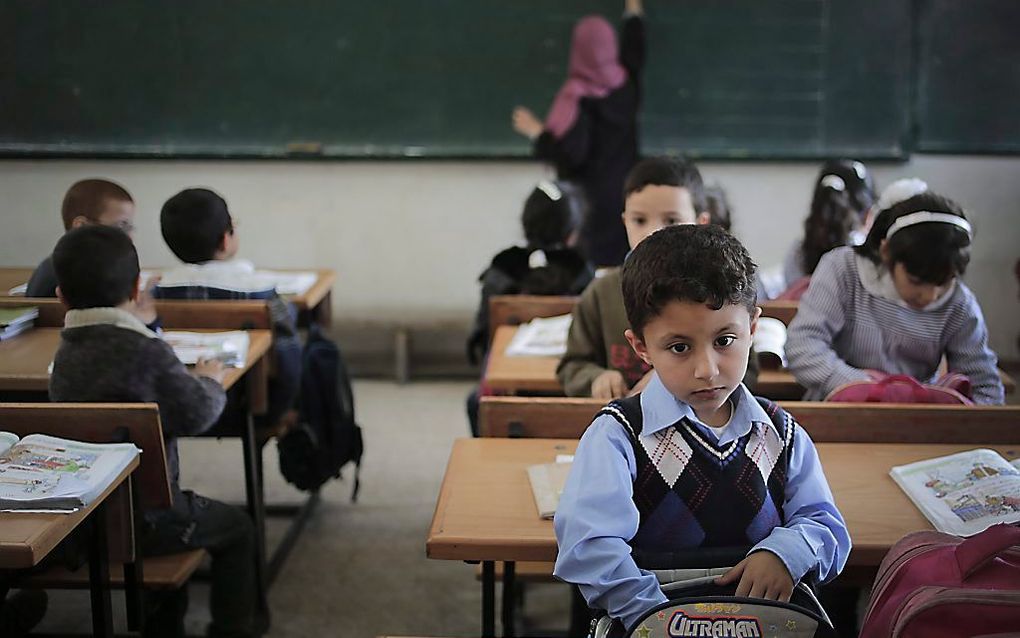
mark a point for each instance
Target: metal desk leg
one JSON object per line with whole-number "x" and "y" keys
{"x": 488, "y": 599}
{"x": 133, "y": 573}
{"x": 256, "y": 507}
{"x": 509, "y": 600}
{"x": 99, "y": 574}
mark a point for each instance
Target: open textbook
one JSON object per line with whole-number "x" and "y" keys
{"x": 46, "y": 473}
{"x": 229, "y": 347}
{"x": 540, "y": 337}
{"x": 963, "y": 493}
{"x": 547, "y": 481}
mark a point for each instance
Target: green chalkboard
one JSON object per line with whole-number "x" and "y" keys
{"x": 393, "y": 78}
{"x": 969, "y": 77}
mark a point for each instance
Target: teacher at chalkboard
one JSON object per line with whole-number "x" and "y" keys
{"x": 590, "y": 133}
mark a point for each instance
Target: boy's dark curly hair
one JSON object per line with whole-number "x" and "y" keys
{"x": 703, "y": 264}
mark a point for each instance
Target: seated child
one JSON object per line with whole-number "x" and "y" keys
{"x": 659, "y": 192}
{"x": 694, "y": 460}
{"x": 197, "y": 227}
{"x": 90, "y": 201}
{"x": 844, "y": 193}
{"x": 547, "y": 265}
{"x": 895, "y": 305}
{"x": 107, "y": 355}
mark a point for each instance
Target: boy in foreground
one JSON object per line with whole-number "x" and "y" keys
{"x": 694, "y": 460}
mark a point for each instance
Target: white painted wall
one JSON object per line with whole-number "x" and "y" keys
{"x": 409, "y": 238}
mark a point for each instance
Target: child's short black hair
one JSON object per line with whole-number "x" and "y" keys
{"x": 686, "y": 262}
{"x": 551, "y": 214}
{"x": 193, "y": 223}
{"x": 932, "y": 252}
{"x": 667, "y": 171}
{"x": 96, "y": 266}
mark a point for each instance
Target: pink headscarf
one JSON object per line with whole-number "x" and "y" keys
{"x": 594, "y": 71}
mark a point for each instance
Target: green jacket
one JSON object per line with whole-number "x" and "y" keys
{"x": 596, "y": 342}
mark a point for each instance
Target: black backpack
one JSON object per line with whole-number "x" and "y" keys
{"x": 326, "y": 437}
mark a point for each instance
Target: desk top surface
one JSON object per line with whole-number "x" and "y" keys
{"x": 11, "y": 277}
{"x": 25, "y": 539}
{"x": 25, "y": 358}
{"x": 486, "y": 510}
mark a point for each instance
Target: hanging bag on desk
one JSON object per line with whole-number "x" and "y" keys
{"x": 901, "y": 388}
{"x": 936, "y": 585}
{"x": 327, "y": 437}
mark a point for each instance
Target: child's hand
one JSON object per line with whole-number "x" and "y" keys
{"x": 145, "y": 304}
{"x": 212, "y": 368}
{"x": 526, "y": 123}
{"x": 762, "y": 575}
{"x": 608, "y": 385}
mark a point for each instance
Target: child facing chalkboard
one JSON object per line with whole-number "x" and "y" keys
{"x": 590, "y": 132}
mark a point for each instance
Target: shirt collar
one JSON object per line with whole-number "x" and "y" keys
{"x": 230, "y": 274}
{"x": 660, "y": 410}
{"x": 107, "y": 317}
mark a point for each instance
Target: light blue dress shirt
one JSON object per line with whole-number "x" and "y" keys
{"x": 596, "y": 515}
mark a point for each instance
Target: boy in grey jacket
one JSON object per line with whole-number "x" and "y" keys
{"x": 107, "y": 354}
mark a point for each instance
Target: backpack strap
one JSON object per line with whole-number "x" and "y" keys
{"x": 627, "y": 413}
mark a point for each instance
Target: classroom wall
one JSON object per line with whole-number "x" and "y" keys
{"x": 408, "y": 239}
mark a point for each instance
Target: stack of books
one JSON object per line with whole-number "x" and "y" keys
{"x": 16, "y": 319}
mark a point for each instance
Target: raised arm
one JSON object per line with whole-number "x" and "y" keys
{"x": 632, "y": 39}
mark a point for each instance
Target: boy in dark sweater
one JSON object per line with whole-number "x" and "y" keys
{"x": 89, "y": 201}
{"x": 107, "y": 354}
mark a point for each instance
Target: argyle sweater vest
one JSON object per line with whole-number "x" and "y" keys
{"x": 691, "y": 492}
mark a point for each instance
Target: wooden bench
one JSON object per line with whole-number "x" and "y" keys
{"x": 175, "y": 315}
{"x": 103, "y": 423}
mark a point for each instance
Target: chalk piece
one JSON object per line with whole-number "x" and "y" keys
{"x": 304, "y": 148}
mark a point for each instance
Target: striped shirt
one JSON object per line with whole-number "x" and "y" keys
{"x": 844, "y": 328}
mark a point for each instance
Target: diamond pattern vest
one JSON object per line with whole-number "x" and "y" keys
{"x": 691, "y": 492}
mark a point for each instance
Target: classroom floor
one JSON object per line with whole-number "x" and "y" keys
{"x": 360, "y": 569}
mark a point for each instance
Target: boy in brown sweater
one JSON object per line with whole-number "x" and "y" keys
{"x": 659, "y": 192}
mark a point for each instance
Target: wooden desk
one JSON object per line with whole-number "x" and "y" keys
{"x": 519, "y": 374}
{"x": 24, "y": 361}
{"x": 11, "y": 277}
{"x": 485, "y": 511}
{"x": 25, "y": 539}
{"x": 538, "y": 374}
{"x": 316, "y": 304}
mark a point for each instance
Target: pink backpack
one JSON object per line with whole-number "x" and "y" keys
{"x": 900, "y": 388}
{"x": 936, "y": 585}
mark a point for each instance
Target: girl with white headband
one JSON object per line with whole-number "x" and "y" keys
{"x": 895, "y": 305}
{"x": 844, "y": 192}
